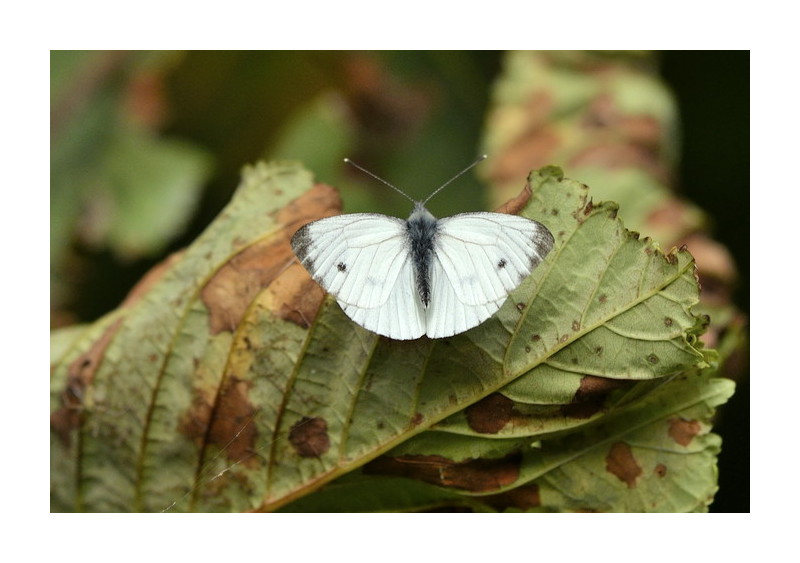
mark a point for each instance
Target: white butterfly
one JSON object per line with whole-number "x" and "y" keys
{"x": 436, "y": 277}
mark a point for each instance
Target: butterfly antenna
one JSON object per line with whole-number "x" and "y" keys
{"x": 447, "y": 183}
{"x": 365, "y": 171}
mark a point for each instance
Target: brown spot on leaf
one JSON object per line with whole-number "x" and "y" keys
{"x": 524, "y": 498}
{"x": 576, "y": 326}
{"x": 683, "y": 431}
{"x": 233, "y": 426}
{"x": 80, "y": 374}
{"x": 476, "y": 475}
{"x": 603, "y": 298}
{"x": 668, "y": 321}
{"x": 672, "y": 257}
{"x": 417, "y": 420}
{"x": 590, "y": 397}
{"x": 660, "y": 470}
{"x": 490, "y": 414}
{"x": 309, "y": 437}
{"x": 194, "y": 422}
{"x": 229, "y": 293}
{"x": 317, "y": 203}
{"x": 295, "y": 297}
{"x": 227, "y": 423}
{"x": 621, "y": 463}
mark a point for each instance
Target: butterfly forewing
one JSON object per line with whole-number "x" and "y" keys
{"x": 356, "y": 257}
{"x": 485, "y": 256}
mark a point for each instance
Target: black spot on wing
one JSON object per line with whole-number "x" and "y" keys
{"x": 501, "y": 264}
{"x": 341, "y": 266}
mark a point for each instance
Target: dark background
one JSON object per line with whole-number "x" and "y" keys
{"x": 713, "y": 93}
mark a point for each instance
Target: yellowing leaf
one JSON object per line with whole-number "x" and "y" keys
{"x": 205, "y": 390}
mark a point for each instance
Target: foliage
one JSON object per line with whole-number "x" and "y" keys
{"x": 205, "y": 391}
{"x": 132, "y": 136}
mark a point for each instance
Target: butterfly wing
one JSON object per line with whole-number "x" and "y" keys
{"x": 447, "y": 314}
{"x": 402, "y": 315}
{"x": 479, "y": 258}
{"x": 363, "y": 259}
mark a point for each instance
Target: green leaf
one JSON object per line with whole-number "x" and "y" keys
{"x": 207, "y": 393}
{"x": 606, "y": 117}
{"x": 656, "y": 456}
{"x": 153, "y": 186}
{"x": 115, "y": 183}
{"x": 383, "y": 494}
{"x": 134, "y": 402}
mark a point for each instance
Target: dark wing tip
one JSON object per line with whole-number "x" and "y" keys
{"x": 543, "y": 240}
{"x": 301, "y": 241}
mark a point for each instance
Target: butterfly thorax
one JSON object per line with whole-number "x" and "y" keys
{"x": 422, "y": 226}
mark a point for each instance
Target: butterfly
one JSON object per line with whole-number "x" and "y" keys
{"x": 421, "y": 276}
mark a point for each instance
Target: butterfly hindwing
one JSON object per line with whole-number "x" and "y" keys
{"x": 448, "y": 314}
{"x": 401, "y": 317}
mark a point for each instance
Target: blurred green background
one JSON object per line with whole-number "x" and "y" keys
{"x": 146, "y": 148}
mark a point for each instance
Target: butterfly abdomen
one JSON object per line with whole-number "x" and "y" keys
{"x": 422, "y": 226}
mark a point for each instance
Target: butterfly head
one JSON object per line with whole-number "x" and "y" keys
{"x": 421, "y": 216}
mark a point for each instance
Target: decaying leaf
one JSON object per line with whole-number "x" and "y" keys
{"x": 609, "y": 120}
{"x": 229, "y": 383}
